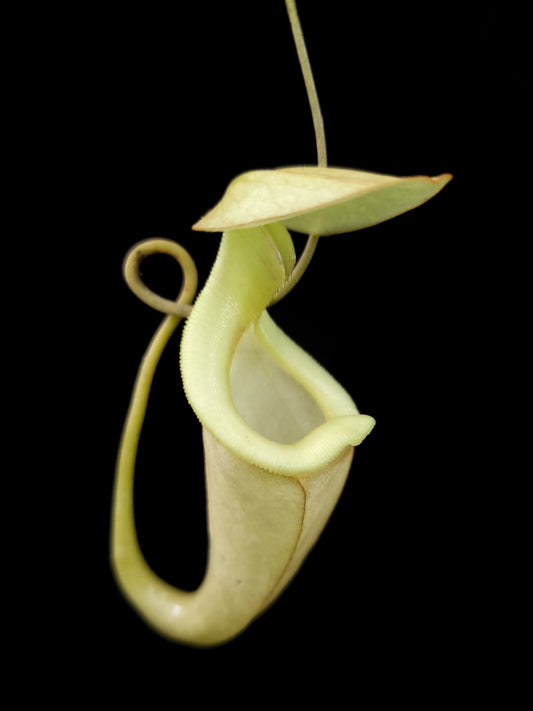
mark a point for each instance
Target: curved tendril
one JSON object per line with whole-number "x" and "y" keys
{"x": 320, "y": 136}
{"x": 182, "y": 306}
{"x": 132, "y": 572}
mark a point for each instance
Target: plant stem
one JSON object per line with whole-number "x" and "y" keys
{"x": 138, "y": 582}
{"x": 312, "y": 95}
{"x": 181, "y": 307}
{"x": 320, "y": 137}
{"x": 299, "y": 268}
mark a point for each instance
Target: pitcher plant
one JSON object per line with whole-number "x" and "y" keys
{"x": 279, "y": 431}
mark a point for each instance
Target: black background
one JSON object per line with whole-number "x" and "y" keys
{"x": 155, "y": 110}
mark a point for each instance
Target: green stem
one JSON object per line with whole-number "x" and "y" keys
{"x": 310, "y": 86}
{"x": 133, "y": 574}
{"x": 320, "y": 137}
{"x": 131, "y": 570}
{"x": 132, "y": 262}
{"x": 299, "y": 268}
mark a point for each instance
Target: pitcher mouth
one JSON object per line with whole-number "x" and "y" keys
{"x": 234, "y": 359}
{"x": 294, "y": 417}
{"x": 267, "y": 396}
